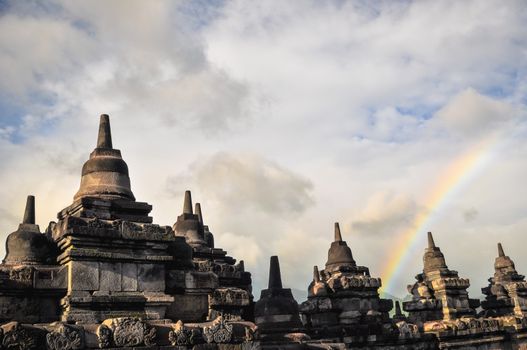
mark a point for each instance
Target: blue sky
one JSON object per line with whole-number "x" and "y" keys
{"x": 281, "y": 117}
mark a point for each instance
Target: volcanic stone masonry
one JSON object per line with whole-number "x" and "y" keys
{"x": 105, "y": 276}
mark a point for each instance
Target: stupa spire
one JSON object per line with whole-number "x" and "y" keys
{"x": 339, "y": 253}
{"x": 105, "y": 174}
{"x": 431, "y": 243}
{"x": 29, "y": 213}
{"x": 275, "y": 278}
{"x": 104, "y": 139}
{"x": 398, "y": 311}
{"x": 197, "y": 210}
{"x": 338, "y": 235}
{"x": 187, "y": 203}
{"x": 316, "y": 274}
{"x": 501, "y": 253}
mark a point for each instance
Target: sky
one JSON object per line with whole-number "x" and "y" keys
{"x": 393, "y": 118}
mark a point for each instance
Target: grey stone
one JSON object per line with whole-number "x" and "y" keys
{"x": 129, "y": 277}
{"x": 151, "y": 277}
{"x": 110, "y": 276}
{"x": 83, "y": 275}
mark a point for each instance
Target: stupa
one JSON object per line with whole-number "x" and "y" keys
{"x": 343, "y": 299}
{"x": 506, "y": 293}
{"x": 276, "y": 313}
{"x": 439, "y": 293}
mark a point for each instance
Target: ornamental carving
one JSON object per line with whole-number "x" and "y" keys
{"x": 19, "y": 338}
{"x": 454, "y": 282}
{"x": 218, "y": 332}
{"x": 125, "y": 332}
{"x": 204, "y": 266}
{"x": 181, "y": 335}
{"x": 250, "y": 334}
{"x": 116, "y": 224}
{"x": 229, "y": 296}
{"x": 142, "y": 231}
{"x": 96, "y": 223}
{"x": 104, "y": 336}
{"x": 308, "y": 306}
{"x": 349, "y": 282}
{"x": 23, "y": 274}
{"x": 220, "y": 269}
{"x": 407, "y": 330}
{"x": 65, "y": 337}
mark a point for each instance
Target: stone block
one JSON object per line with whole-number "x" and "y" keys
{"x": 83, "y": 275}
{"x": 201, "y": 280}
{"x": 324, "y": 319}
{"x": 151, "y": 277}
{"x": 129, "y": 277}
{"x": 110, "y": 276}
{"x": 55, "y": 278}
{"x": 189, "y": 308}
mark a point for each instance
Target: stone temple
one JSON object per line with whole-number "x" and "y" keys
{"x": 104, "y": 276}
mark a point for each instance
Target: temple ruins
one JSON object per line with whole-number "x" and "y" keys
{"x": 105, "y": 276}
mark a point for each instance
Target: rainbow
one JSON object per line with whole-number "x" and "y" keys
{"x": 455, "y": 177}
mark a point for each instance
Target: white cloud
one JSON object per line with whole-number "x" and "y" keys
{"x": 247, "y": 182}
{"x": 470, "y": 113}
{"x": 386, "y": 213}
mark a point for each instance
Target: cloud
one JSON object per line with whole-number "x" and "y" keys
{"x": 470, "y": 113}
{"x": 247, "y": 182}
{"x": 149, "y": 62}
{"x": 470, "y": 214}
{"x": 242, "y": 248}
{"x": 281, "y": 117}
{"x": 385, "y": 213}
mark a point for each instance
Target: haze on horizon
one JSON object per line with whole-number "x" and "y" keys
{"x": 282, "y": 118}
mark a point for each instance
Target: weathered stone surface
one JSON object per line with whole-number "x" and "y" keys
{"x": 65, "y": 337}
{"x": 218, "y": 332}
{"x": 276, "y": 313}
{"x": 18, "y": 336}
{"x": 129, "y": 277}
{"x": 506, "y": 293}
{"x": 83, "y": 275}
{"x": 343, "y": 299}
{"x": 110, "y": 276}
{"x": 126, "y": 332}
{"x": 150, "y": 277}
{"x": 439, "y": 292}
{"x": 189, "y": 307}
{"x": 27, "y": 246}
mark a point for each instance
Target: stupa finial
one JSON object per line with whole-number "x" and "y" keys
{"x": 187, "y": 204}
{"x": 29, "y": 213}
{"x": 104, "y": 139}
{"x": 316, "y": 274}
{"x": 338, "y": 235}
{"x": 431, "y": 243}
{"x": 501, "y": 253}
{"x": 197, "y": 210}
{"x": 275, "y": 278}
{"x": 398, "y": 311}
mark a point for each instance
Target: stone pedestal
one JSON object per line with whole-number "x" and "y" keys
{"x": 114, "y": 268}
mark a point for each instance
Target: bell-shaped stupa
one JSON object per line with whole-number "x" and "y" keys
{"x": 27, "y": 246}
{"x": 105, "y": 174}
